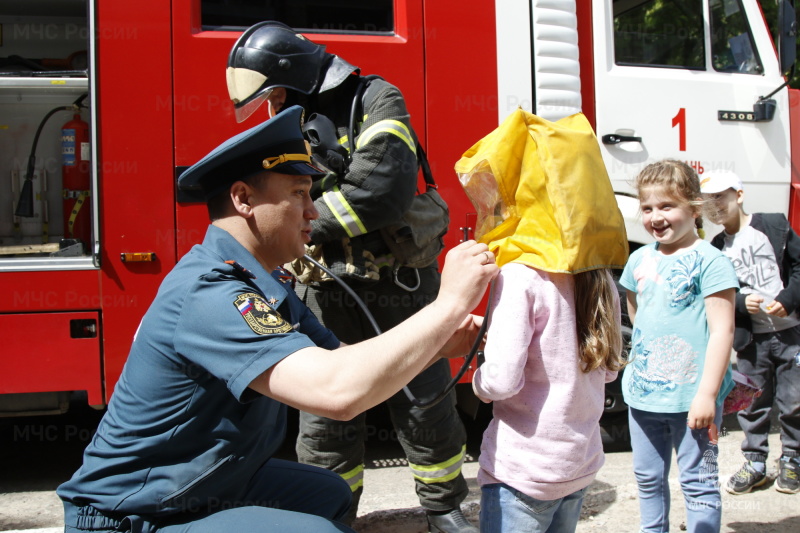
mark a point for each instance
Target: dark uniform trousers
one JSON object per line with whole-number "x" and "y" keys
{"x": 433, "y": 439}
{"x": 769, "y": 361}
{"x": 282, "y": 496}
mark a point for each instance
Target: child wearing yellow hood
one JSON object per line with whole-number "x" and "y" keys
{"x": 547, "y": 211}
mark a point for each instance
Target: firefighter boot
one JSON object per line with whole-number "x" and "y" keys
{"x": 452, "y": 521}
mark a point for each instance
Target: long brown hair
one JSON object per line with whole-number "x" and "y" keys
{"x": 598, "y": 325}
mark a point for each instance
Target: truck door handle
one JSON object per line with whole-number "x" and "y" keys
{"x": 613, "y": 138}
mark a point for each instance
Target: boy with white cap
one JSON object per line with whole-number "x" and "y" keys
{"x": 765, "y": 252}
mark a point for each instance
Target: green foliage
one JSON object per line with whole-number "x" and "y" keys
{"x": 770, "y": 10}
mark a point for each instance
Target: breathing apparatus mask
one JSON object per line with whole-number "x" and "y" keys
{"x": 480, "y": 186}
{"x": 320, "y": 131}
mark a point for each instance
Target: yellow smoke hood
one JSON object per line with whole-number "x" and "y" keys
{"x": 543, "y": 195}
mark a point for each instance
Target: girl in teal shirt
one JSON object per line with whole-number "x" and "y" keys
{"x": 681, "y": 302}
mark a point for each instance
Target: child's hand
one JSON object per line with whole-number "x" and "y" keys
{"x": 460, "y": 343}
{"x": 753, "y": 303}
{"x": 702, "y": 411}
{"x": 776, "y": 309}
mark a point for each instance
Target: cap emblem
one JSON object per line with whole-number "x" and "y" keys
{"x": 270, "y": 162}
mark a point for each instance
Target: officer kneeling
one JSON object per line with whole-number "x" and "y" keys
{"x": 200, "y": 407}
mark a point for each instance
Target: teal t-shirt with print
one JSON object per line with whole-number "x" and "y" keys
{"x": 670, "y": 333}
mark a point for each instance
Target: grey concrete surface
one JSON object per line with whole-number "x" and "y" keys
{"x": 611, "y": 504}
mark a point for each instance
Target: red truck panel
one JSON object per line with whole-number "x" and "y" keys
{"x": 794, "y": 128}
{"x": 134, "y": 107}
{"x": 43, "y": 356}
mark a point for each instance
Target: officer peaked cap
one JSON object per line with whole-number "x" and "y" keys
{"x": 277, "y": 145}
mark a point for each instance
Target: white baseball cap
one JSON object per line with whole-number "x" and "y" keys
{"x": 718, "y": 181}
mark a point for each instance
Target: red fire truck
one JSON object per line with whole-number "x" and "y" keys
{"x": 104, "y": 102}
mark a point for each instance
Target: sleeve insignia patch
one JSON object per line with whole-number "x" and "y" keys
{"x": 261, "y": 318}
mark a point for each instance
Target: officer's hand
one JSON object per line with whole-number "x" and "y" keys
{"x": 460, "y": 343}
{"x": 468, "y": 268}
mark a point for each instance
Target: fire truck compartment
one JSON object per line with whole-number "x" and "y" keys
{"x": 50, "y": 352}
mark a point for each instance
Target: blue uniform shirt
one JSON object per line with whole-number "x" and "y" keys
{"x": 183, "y": 429}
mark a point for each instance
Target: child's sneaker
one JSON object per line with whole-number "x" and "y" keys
{"x": 789, "y": 478}
{"x": 745, "y": 480}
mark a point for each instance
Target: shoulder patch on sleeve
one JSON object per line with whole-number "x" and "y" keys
{"x": 261, "y": 318}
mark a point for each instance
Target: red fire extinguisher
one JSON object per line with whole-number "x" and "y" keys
{"x": 75, "y": 175}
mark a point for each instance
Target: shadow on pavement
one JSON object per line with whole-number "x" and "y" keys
{"x": 785, "y": 525}
{"x": 40, "y": 452}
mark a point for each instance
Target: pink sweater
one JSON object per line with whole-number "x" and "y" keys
{"x": 544, "y": 439}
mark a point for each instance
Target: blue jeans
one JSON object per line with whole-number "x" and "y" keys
{"x": 506, "y": 510}
{"x": 653, "y": 437}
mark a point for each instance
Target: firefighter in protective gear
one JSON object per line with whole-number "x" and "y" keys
{"x": 273, "y": 64}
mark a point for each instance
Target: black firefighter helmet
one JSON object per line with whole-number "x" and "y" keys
{"x": 271, "y": 54}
